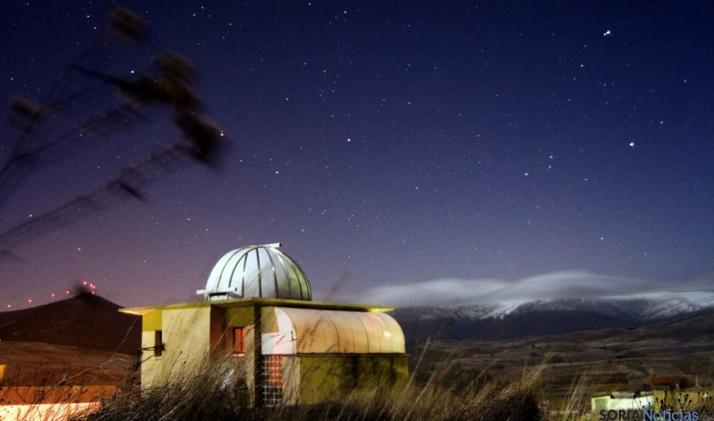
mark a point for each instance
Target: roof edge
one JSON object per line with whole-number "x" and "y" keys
{"x": 261, "y": 302}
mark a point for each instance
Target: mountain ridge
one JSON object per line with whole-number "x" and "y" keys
{"x": 543, "y": 317}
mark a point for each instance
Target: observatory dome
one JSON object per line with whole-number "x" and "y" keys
{"x": 256, "y": 271}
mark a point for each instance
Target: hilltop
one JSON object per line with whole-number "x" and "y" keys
{"x": 83, "y": 321}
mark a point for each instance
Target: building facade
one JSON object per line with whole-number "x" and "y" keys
{"x": 258, "y": 318}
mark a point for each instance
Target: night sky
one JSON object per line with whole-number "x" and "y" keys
{"x": 383, "y": 143}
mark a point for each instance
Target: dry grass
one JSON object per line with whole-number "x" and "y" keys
{"x": 449, "y": 393}
{"x": 443, "y": 386}
{"x": 212, "y": 394}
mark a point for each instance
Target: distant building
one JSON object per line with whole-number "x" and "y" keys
{"x": 259, "y": 317}
{"x": 683, "y": 381}
{"x": 623, "y": 401}
{"x": 663, "y": 392}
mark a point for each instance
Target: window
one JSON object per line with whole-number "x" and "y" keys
{"x": 158, "y": 344}
{"x": 272, "y": 380}
{"x": 238, "y": 341}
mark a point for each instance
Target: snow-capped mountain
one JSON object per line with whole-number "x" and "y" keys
{"x": 544, "y": 317}
{"x": 640, "y": 306}
{"x": 550, "y": 303}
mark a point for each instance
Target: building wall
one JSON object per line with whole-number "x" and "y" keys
{"x": 686, "y": 399}
{"x": 151, "y": 368}
{"x": 240, "y": 317}
{"x": 198, "y": 334}
{"x": 690, "y": 398}
{"x": 288, "y": 331}
{"x": 46, "y": 411}
{"x": 333, "y": 377}
{"x": 192, "y": 336}
{"x": 187, "y": 335}
{"x": 640, "y": 402}
{"x": 634, "y": 403}
{"x": 291, "y": 376}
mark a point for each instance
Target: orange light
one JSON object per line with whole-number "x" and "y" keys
{"x": 59, "y": 411}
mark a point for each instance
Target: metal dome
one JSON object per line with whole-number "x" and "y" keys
{"x": 256, "y": 271}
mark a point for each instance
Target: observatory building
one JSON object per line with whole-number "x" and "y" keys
{"x": 259, "y": 318}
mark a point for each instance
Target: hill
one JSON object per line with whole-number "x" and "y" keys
{"x": 83, "y": 321}
{"x": 594, "y": 360}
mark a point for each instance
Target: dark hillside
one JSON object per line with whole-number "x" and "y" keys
{"x": 85, "y": 321}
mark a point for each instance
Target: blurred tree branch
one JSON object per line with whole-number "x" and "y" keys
{"x": 165, "y": 85}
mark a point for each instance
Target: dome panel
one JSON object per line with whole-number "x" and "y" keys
{"x": 256, "y": 271}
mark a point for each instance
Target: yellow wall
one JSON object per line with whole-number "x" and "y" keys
{"x": 239, "y": 316}
{"x": 687, "y": 399}
{"x": 196, "y": 334}
{"x": 333, "y": 377}
{"x": 151, "y": 321}
{"x": 187, "y": 335}
{"x": 291, "y": 380}
{"x": 187, "y": 338}
{"x": 193, "y": 335}
{"x": 151, "y": 367}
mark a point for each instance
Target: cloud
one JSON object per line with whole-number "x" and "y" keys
{"x": 556, "y": 285}
{"x": 436, "y": 292}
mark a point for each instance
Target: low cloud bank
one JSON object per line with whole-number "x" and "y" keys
{"x": 556, "y": 285}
